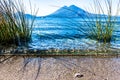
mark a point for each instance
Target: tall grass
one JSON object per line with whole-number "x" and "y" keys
{"x": 15, "y": 27}
{"x": 102, "y": 26}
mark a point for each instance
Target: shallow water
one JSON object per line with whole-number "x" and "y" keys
{"x": 60, "y": 68}
{"x": 63, "y": 33}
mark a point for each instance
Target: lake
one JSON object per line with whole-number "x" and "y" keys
{"x": 64, "y": 33}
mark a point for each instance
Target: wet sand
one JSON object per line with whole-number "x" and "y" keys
{"x": 60, "y": 68}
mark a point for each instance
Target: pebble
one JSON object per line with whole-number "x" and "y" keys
{"x": 78, "y": 75}
{"x": 35, "y": 50}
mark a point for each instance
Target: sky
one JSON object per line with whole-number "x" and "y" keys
{"x": 49, "y": 6}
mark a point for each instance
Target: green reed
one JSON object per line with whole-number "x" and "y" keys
{"x": 15, "y": 27}
{"x": 102, "y": 26}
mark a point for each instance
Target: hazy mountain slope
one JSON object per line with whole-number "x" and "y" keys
{"x": 71, "y": 11}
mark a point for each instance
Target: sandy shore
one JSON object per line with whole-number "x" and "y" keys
{"x": 60, "y": 68}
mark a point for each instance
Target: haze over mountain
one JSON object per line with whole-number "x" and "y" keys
{"x": 71, "y": 11}
{"x": 29, "y": 16}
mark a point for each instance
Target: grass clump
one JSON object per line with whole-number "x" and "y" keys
{"x": 15, "y": 27}
{"x": 102, "y": 26}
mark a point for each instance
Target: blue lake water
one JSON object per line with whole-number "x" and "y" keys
{"x": 64, "y": 33}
